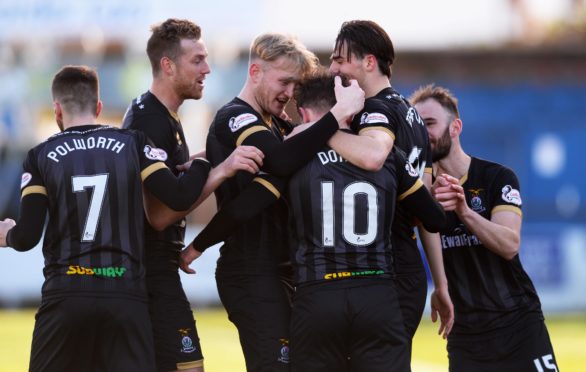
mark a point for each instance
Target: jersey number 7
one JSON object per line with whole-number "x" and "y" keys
{"x": 98, "y": 182}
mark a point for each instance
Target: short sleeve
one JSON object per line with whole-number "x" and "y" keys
{"x": 506, "y": 194}
{"x": 31, "y": 180}
{"x": 375, "y": 115}
{"x": 151, "y": 158}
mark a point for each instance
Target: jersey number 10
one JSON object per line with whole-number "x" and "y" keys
{"x": 348, "y": 213}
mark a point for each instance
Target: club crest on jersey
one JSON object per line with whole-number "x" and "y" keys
{"x": 25, "y": 179}
{"x": 476, "y": 201}
{"x": 241, "y": 120}
{"x": 284, "y": 351}
{"x": 511, "y": 195}
{"x": 186, "y": 342}
{"x": 373, "y": 117}
{"x": 154, "y": 153}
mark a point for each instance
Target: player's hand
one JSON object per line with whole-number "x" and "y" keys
{"x": 441, "y": 304}
{"x": 246, "y": 158}
{"x": 185, "y": 166}
{"x": 448, "y": 192}
{"x": 186, "y": 257}
{"x": 349, "y": 101}
{"x": 5, "y": 226}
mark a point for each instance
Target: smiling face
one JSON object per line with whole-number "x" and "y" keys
{"x": 437, "y": 122}
{"x": 191, "y": 69}
{"x": 275, "y": 83}
{"x": 351, "y": 68}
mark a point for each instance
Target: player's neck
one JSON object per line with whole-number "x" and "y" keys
{"x": 456, "y": 164}
{"x": 374, "y": 85}
{"x": 247, "y": 95}
{"x": 79, "y": 120}
{"x": 165, "y": 93}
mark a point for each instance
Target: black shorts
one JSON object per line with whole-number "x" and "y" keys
{"x": 92, "y": 334}
{"x": 526, "y": 348}
{"x": 260, "y": 308}
{"x": 350, "y": 325}
{"x": 176, "y": 339}
{"x": 412, "y": 291}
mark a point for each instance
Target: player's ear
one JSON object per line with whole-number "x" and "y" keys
{"x": 99, "y": 107}
{"x": 255, "y": 72}
{"x": 57, "y": 109}
{"x": 303, "y": 112}
{"x": 370, "y": 62}
{"x": 167, "y": 65}
{"x": 456, "y": 127}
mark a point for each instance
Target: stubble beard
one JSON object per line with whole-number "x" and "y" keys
{"x": 442, "y": 147}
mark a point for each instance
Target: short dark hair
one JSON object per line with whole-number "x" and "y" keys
{"x": 367, "y": 37}
{"x": 165, "y": 40}
{"x": 76, "y": 88}
{"x": 441, "y": 95}
{"x": 316, "y": 91}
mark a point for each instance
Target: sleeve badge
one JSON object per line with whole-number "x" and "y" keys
{"x": 373, "y": 117}
{"x": 154, "y": 153}
{"x": 511, "y": 195}
{"x": 25, "y": 179}
{"x": 241, "y": 120}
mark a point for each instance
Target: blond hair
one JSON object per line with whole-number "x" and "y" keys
{"x": 269, "y": 47}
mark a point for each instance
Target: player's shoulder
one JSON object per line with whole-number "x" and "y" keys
{"x": 489, "y": 168}
{"x": 387, "y": 104}
{"x": 235, "y": 115}
{"x": 143, "y": 109}
{"x": 389, "y": 98}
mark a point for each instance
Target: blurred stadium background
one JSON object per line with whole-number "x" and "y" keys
{"x": 517, "y": 66}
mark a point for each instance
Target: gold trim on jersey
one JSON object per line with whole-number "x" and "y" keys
{"x": 416, "y": 186}
{"x": 464, "y": 179}
{"x": 268, "y": 185}
{"x": 189, "y": 365}
{"x": 386, "y": 130}
{"x": 33, "y": 190}
{"x": 174, "y": 115}
{"x": 509, "y": 208}
{"x": 248, "y": 132}
{"x": 151, "y": 169}
{"x": 428, "y": 170}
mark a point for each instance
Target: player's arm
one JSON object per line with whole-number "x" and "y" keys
{"x": 419, "y": 203}
{"x": 441, "y": 303}
{"x": 376, "y": 127}
{"x": 246, "y": 158}
{"x": 257, "y": 196}
{"x": 501, "y": 234}
{"x": 33, "y": 209}
{"x": 26, "y": 233}
{"x": 178, "y": 193}
{"x": 368, "y": 150}
{"x": 284, "y": 158}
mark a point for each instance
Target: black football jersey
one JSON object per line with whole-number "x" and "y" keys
{"x": 342, "y": 215}
{"x": 260, "y": 246}
{"x": 488, "y": 292}
{"x": 148, "y": 115}
{"x": 390, "y": 111}
{"x": 94, "y": 241}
